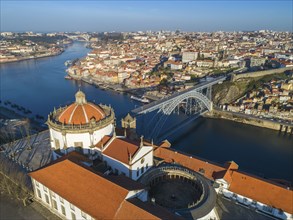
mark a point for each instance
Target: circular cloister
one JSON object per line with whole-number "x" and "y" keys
{"x": 181, "y": 190}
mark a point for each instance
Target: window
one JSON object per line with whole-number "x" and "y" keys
{"x": 39, "y": 193}
{"x": 116, "y": 171}
{"x": 61, "y": 200}
{"x": 53, "y": 194}
{"x": 45, "y": 188}
{"x": 37, "y": 184}
{"x": 137, "y": 172}
{"x": 54, "y": 204}
{"x": 63, "y": 210}
{"x": 146, "y": 166}
{"x": 72, "y": 207}
{"x": 47, "y": 198}
{"x": 73, "y": 216}
{"x": 142, "y": 170}
{"x": 83, "y": 214}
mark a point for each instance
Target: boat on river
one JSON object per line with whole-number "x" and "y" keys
{"x": 68, "y": 77}
{"x": 68, "y": 63}
{"x": 142, "y": 99}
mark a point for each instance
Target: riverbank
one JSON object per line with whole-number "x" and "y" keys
{"x": 6, "y": 113}
{"x": 138, "y": 92}
{"x": 32, "y": 57}
{"x": 287, "y": 128}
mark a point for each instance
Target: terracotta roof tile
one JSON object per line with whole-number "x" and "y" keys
{"x": 98, "y": 195}
{"x": 103, "y": 141}
{"x": 191, "y": 162}
{"x": 262, "y": 190}
{"x": 134, "y": 208}
{"x": 81, "y": 114}
{"x": 121, "y": 149}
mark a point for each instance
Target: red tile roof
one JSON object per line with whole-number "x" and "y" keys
{"x": 134, "y": 208}
{"x": 103, "y": 141}
{"x": 246, "y": 185}
{"x": 191, "y": 162}
{"x": 99, "y": 196}
{"x": 121, "y": 149}
{"x": 81, "y": 114}
{"x": 262, "y": 190}
{"x": 102, "y": 197}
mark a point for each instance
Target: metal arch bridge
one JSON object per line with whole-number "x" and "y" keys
{"x": 167, "y": 104}
{"x": 86, "y": 37}
{"x": 197, "y": 100}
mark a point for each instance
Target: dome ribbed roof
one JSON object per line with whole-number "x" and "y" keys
{"x": 81, "y": 112}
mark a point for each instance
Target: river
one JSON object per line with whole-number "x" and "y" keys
{"x": 39, "y": 85}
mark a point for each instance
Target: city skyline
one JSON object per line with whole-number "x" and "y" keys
{"x": 98, "y": 16}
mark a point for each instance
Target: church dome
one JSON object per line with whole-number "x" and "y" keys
{"x": 81, "y": 111}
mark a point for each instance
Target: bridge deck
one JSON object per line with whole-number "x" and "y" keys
{"x": 157, "y": 104}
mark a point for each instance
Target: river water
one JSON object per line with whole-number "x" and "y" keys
{"x": 39, "y": 85}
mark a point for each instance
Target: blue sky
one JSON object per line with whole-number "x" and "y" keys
{"x": 145, "y": 15}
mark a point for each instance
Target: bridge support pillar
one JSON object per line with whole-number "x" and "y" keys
{"x": 211, "y": 106}
{"x": 209, "y": 93}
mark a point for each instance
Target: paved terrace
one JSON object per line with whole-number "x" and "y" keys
{"x": 157, "y": 104}
{"x": 31, "y": 153}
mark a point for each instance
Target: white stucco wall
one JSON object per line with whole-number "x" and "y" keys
{"x": 85, "y": 137}
{"x": 145, "y": 152}
{"x": 53, "y": 196}
{"x": 115, "y": 164}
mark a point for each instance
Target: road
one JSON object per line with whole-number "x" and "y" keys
{"x": 13, "y": 209}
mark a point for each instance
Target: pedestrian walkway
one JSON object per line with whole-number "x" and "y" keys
{"x": 42, "y": 210}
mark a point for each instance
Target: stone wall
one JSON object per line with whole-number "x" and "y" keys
{"x": 260, "y": 73}
{"x": 249, "y": 120}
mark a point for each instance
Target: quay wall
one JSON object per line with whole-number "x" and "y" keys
{"x": 246, "y": 119}
{"x": 260, "y": 73}
{"x": 30, "y": 57}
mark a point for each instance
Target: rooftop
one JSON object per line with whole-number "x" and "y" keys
{"x": 122, "y": 150}
{"x": 86, "y": 189}
{"x": 101, "y": 196}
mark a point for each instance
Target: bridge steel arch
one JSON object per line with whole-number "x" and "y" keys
{"x": 169, "y": 108}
